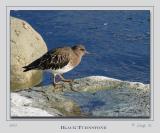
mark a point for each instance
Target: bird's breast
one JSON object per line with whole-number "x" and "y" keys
{"x": 64, "y": 69}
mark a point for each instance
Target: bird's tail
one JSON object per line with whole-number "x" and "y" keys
{"x": 27, "y": 68}
{"x": 33, "y": 65}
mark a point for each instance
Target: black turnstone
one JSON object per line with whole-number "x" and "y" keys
{"x": 59, "y": 60}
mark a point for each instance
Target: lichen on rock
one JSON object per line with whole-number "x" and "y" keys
{"x": 26, "y": 46}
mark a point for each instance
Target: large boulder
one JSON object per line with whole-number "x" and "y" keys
{"x": 26, "y": 46}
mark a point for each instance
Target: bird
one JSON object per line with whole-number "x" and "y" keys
{"x": 59, "y": 60}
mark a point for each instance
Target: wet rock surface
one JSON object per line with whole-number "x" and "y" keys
{"x": 94, "y": 96}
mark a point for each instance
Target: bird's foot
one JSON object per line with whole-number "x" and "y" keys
{"x": 57, "y": 86}
{"x": 65, "y": 80}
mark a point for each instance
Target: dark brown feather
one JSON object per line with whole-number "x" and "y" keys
{"x": 53, "y": 59}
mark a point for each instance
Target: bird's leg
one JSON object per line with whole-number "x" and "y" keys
{"x": 54, "y": 81}
{"x": 56, "y": 84}
{"x": 65, "y": 80}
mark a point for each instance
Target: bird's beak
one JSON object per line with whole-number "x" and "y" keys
{"x": 86, "y": 52}
{"x": 89, "y": 53}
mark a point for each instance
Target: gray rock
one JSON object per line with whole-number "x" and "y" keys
{"x": 26, "y": 46}
{"x": 94, "y": 96}
{"x": 21, "y": 106}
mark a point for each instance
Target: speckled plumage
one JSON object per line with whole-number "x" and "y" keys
{"x": 59, "y": 60}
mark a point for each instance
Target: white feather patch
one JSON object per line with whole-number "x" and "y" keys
{"x": 65, "y": 69}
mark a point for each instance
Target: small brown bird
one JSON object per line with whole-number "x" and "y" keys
{"x": 59, "y": 60}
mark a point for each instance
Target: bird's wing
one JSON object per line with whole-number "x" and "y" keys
{"x": 54, "y": 59}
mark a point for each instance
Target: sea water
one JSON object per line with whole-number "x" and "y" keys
{"x": 120, "y": 40}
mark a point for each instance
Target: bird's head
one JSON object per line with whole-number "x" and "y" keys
{"x": 80, "y": 50}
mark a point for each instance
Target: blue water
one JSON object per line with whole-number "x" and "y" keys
{"x": 121, "y": 40}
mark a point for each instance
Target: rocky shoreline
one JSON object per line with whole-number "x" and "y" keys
{"x": 94, "y": 96}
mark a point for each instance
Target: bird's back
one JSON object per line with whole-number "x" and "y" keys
{"x": 53, "y": 59}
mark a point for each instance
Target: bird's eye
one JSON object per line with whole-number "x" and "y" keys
{"x": 82, "y": 49}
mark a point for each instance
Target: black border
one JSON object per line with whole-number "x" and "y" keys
{"x": 86, "y": 118}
